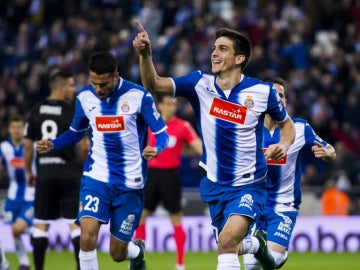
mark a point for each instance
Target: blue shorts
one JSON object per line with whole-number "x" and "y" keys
{"x": 278, "y": 225}
{"x": 224, "y": 201}
{"x": 15, "y": 209}
{"x": 106, "y": 201}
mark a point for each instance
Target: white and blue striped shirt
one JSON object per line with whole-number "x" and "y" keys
{"x": 285, "y": 178}
{"x": 231, "y": 127}
{"x": 13, "y": 158}
{"x": 117, "y": 128}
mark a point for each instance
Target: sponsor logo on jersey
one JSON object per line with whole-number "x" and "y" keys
{"x": 17, "y": 163}
{"x": 210, "y": 90}
{"x": 276, "y": 162}
{"x": 249, "y": 102}
{"x": 110, "y": 123}
{"x": 127, "y": 225}
{"x": 247, "y": 201}
{"x": 228, "y": 111}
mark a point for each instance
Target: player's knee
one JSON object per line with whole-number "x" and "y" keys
{"x": 16, "y": 232}
{"x": 250, "y": 263}
{"x": 227, "y": 243}
{"x": 88, "y": 240}
{"x": 279, "y": 258}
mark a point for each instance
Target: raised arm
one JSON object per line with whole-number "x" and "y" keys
{"x": 149, "y": 77}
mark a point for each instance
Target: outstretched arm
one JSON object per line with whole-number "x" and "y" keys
{"x": 149, "y": 77}
{"x": 67, "y": 138}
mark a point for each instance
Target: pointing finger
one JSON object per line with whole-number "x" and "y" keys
{"x": 139, "y": 26}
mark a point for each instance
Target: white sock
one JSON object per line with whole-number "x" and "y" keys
{"x": 228, "y": 261}
{"x": 4, "y": 265}
{"x": 250, "y": 263}
{"x": 21, "y": 252}
{"x": 250, "y": 245}
{"x": 133, "y": 251}
{"x": 88, "y": 260}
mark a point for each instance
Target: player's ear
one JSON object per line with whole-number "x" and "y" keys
{"x": 239, "y": 59}
{"x": 116, "y": 76}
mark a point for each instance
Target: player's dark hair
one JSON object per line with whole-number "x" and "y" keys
{"x": 281, "y": 81}
{"x": 58, "y": 75}
{"x": 14, "y": 118}
{"x": 241, "y": 43}
{"x": 103, "y": 62}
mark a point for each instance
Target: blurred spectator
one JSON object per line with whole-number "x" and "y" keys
{"x": 334, "y": 202}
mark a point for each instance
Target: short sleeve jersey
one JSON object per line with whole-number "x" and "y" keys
{"x": 48, "y": 120}
{"x": 285, "y": 176}
{"x": 231, "y": 127}
{"x": 13, "y": 158}
{"x": 118, "y": 129}
{"x": 180, "y": 133}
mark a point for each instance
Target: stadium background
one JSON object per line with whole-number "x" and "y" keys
{"x": 314, "y": 45}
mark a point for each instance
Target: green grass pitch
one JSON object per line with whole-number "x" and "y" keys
{"x": 201, "y": 261}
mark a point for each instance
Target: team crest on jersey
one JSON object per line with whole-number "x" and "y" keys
{"x": 249, "y": 102}
{"x": 17, "y": 163}
{"x": 228, "y": 111}
{"x": 125, "y": 107}
{"x": 110, "y": 123}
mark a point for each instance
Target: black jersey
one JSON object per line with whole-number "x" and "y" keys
{"x": 48, "y": 120}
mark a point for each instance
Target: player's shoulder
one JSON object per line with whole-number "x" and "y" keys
{"x": 298, "y": 120}
{"x": 255, "y": 85}
{"x": 129, "y": 85}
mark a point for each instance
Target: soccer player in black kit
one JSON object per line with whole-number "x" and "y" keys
{"x": 58, "y": 173}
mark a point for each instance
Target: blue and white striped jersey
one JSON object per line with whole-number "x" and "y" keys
{"x": 231, "y": 127}
{"x": 13, "y": 158}
{"x": 285, "y": 178}
{"x": 117, "y": 129}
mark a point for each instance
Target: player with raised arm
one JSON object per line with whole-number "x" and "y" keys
{"x": 230, "y": 108}
{"x": 282, "y": 206}
{"x": 117, "y": 114}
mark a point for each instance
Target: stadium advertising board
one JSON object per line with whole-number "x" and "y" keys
{"x": 310, "y": 234}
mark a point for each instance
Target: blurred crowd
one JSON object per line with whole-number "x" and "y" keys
{"x": 313, "y": 44}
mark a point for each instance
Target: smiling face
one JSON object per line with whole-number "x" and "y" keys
{"x": 103, "y": 84}
{"x": 223, "y": 58}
